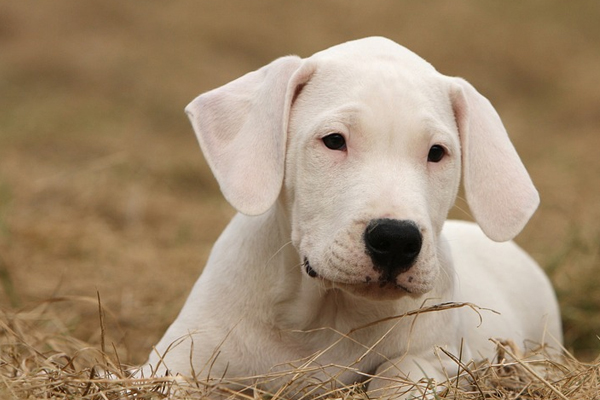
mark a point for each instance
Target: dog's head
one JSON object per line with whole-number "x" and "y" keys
{"x": 363, "y": 145}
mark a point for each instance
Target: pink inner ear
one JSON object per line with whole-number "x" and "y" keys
{"x": 498, "y": 188}
{"x": 242, "y": 128}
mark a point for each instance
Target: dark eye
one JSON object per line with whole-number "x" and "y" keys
{"x": 436, "y": 153}
{"x": 335, "y": 141}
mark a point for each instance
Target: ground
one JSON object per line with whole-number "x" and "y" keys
{"x": 103, "y": 188}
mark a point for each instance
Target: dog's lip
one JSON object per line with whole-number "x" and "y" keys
{"x": 384, "y": 285}
{"x": 309, "y": 269}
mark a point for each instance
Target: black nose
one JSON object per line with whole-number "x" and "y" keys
{"x": 393, "y": 245}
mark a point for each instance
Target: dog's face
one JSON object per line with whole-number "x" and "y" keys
{"x": 363, "y": 145}
{"x": 373, "y": 166}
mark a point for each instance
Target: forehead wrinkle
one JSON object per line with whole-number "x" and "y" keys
{"x": 434, "y": 125}
{"x": 348, "y": 115}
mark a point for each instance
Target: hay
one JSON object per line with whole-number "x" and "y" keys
{"x": 39, "y": 359}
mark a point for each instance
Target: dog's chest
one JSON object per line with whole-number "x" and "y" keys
{"x": 344, "y": 333}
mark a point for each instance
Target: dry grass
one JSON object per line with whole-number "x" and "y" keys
{"x": 103, "y": 188}
{"x": 41, "y": 360}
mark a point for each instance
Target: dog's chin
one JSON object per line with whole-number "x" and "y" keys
{"x": 372, "y": 291}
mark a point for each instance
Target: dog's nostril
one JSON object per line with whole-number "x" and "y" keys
{"x": 393, "y": 245}
{"x": 412, "y": 247}
{"x": 380, "y": 244}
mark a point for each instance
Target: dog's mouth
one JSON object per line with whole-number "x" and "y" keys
{"x": 309, "y": 270}
{"x": 382, "y": 289}
{"x": 373, "y": 291}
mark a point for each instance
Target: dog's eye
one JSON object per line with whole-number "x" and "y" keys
{"x": 436, "y": 153}
{"x": 335, "y": 141}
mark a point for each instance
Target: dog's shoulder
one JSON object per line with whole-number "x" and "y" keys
{"x": 480, "y": 262}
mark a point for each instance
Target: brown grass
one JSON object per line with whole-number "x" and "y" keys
{"x": 103, "y": 188}
{"x": 41, "y": 360}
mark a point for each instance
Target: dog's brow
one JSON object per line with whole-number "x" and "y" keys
{"x": 434, "y": 125}
{"x": 347, "y": 114}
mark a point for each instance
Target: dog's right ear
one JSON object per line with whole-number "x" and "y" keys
{"x": 242, "y": 130}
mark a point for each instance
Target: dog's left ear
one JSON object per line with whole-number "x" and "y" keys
{"x": 242, "y": 130}
{"x": 498, "y": 188}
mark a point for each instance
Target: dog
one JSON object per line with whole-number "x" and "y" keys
{"x": 343, "y": 167}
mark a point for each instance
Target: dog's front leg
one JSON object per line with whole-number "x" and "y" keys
{"x": 413, "y": 376}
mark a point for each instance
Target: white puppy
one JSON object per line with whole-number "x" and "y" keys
{"x": 343, "y": 167}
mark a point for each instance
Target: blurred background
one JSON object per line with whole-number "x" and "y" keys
{"x": 103, "y": 187}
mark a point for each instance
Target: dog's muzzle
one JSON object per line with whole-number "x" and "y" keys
{"x": 393, "y": 246}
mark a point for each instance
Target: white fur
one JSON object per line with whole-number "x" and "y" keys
{"x": 255, "y": 310}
